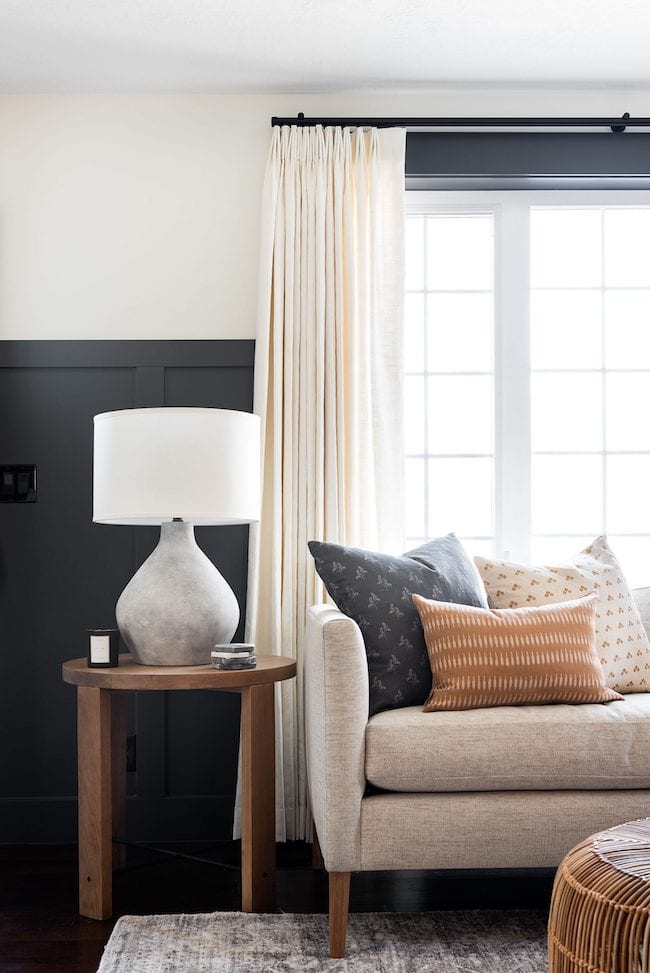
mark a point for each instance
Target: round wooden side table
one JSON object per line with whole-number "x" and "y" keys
{"x": 101, "y": 761}
{"x": 600, "y": 909}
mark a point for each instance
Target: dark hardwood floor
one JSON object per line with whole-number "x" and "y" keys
{"x": 40, "y": 929}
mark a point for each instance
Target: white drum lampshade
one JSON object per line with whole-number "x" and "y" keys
{"x": 176, "y": 468}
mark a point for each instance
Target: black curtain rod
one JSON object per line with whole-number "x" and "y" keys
{"x": 615, "y": 124}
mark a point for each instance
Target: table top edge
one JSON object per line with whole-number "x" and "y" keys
{"x": 131, "y": 675}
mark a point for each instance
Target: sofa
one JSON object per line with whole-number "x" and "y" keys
{"x": 501, "y": 787}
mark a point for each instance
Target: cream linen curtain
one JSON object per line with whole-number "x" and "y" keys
{"x": 328, "y": 370}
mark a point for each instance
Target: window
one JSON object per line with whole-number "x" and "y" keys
{"x": 527, "y": 357}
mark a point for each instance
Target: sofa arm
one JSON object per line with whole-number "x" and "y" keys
{"x": 336, "y": 714}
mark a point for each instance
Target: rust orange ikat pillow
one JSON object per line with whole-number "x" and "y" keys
{"x": 481, "y": 657}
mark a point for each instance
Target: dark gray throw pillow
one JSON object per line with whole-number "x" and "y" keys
{"x": 376, "y": 591}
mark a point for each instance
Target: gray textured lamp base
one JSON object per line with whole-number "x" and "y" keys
{"x": 177, "y": 606}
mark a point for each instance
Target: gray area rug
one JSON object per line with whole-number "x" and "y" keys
{"x": 431, "y": 942}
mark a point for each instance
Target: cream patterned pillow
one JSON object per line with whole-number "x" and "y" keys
{"x": 621, "y": 640}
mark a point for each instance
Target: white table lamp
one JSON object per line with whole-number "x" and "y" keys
{"x": 176, "y": 468}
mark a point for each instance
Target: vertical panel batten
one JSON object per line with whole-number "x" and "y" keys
{"x": 118, "y": 776}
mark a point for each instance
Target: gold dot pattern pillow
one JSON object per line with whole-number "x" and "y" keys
{"x": 621, "y": 640}
{"x": 481, "y": 657}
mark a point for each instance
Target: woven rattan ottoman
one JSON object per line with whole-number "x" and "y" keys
{"x": 600, "y": 909}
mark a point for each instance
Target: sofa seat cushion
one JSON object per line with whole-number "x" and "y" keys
{"x": 556, "y": 747}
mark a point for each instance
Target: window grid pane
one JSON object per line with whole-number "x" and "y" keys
{"x": 609, "y": 390}
{"x": 449, "y": 381}
{"x": 589, "y": 330}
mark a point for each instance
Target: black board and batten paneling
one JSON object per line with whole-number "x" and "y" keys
{"x": 60, "y": 574}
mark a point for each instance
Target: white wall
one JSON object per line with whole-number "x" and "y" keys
{"x": 137, "y": 216}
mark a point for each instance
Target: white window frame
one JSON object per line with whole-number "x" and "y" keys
{"x": 511, "y": 214}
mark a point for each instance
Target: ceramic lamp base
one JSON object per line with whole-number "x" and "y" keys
{"x": 177, "y": 606}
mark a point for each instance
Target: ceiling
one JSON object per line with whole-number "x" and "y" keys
{"x": 319, "y": 45}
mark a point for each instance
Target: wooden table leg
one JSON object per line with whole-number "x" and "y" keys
{"x": 118, "y": 775}
{"x": 258, "y": 798}
{"x": 94, "y": 763}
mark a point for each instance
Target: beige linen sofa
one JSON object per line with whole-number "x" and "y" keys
{"x": 504, "y": 787}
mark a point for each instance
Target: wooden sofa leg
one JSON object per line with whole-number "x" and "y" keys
{"x": 316, "y": 854}
{"x": 339, "y": 885}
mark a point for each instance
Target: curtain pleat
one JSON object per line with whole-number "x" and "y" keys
{"x": 328, "y": 374}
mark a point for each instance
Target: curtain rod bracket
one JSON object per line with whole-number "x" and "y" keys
{"x": 621, "y": 128}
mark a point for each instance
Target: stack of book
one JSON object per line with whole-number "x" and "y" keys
{"x": 234, "y": 655}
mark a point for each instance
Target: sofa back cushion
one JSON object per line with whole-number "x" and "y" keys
{"x": 517, "y": 655}
{"x": 376, "y": 591}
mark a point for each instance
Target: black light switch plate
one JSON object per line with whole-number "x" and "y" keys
{"x": 17, "y": 484}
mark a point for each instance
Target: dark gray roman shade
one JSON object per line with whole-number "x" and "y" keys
{"x": 527, "y": 160}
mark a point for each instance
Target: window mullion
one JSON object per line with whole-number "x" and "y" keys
{"x": 512, "y": 381}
